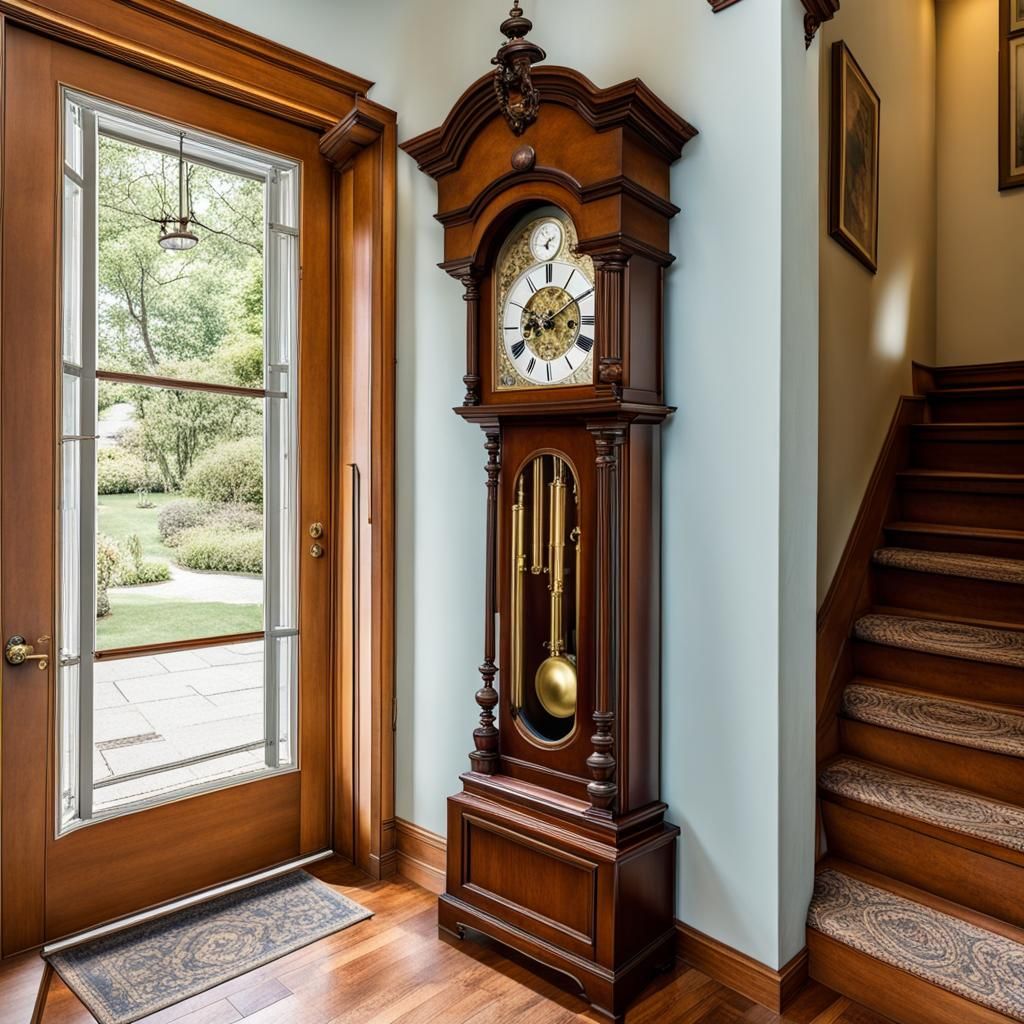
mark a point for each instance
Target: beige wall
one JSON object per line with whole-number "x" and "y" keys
{"x": 981, "y": 231}
{"x": 873, "y": 326}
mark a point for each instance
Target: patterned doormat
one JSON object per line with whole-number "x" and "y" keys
{"x": 140, "y": 970}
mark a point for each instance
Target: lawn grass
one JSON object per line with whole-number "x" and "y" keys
{"x": 119, "y": 516}
{"x": 137, "y": 619}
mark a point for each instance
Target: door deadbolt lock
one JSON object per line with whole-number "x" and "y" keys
{"x": 316, "y": 550}
{"x": 17, "y": 652}
{"x": 316, "y": 531}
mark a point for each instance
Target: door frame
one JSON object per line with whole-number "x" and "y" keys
{"x": 358, "y": 139}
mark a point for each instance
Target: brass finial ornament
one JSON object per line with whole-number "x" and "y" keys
{"x": 518, "y": 98}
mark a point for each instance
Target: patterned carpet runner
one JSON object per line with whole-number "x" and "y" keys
{"x": 135, "y": 972}
{"x": 958, "y": 957}
{"x": 948, "y": 639}
{"x": 976, "y": 567}
{"x": 931, "y": 802}
{"x": 951, "y": 721}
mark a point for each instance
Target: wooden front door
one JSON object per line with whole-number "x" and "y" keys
{"x": 165, "y": 446}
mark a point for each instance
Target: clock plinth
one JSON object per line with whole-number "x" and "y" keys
{"x": 557, "y": 844}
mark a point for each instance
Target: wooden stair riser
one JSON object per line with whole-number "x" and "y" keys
{"x": 951, "y": 677}
{"x": 898, "y": 995}
{"x": 962, "y": 507}
{"x": 958, "y": 873}
{"x": 985, "y": 375}
{"x": 948, "y": 596}
{"x": 967, "y": 455}
{"x": 978, "y": 408}
{"x": 998, "y": 776}
{"x": 938, "y": 539}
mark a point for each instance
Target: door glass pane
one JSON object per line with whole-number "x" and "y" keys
{"x": 178, "y": 502}
{"x": 192, "y": 315}
{"x": 73, "y": 155}
{"x": 161, "y": 719}
{"x": 72, "y": 278}
{"x": 179, "y": 524}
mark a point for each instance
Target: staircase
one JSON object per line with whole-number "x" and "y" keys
{"x": 918, "y": 908}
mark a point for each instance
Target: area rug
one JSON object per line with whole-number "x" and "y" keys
{"x": 135, "y": 972}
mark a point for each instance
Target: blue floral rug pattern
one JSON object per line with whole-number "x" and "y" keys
{"x": 140, "y": 970}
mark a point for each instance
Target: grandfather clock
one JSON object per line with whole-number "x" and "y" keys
{"x": 554, "y": 196}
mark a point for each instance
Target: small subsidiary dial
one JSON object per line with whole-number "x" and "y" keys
{"x": 546, "y": 240}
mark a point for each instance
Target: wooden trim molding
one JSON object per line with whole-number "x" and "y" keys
{"x": 188, "y": 46}
{"x": 817, "y": 13}
{"x": 421, "y": 860}
{"x": 363, "y": 149}
{"x": 739, "y": 972}
{"x": 848, "y": 596}
{"x": 421, "y": 856}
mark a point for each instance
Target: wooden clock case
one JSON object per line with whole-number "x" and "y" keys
{"x": 562, "y": 852}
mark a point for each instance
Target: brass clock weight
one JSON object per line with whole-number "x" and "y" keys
{"x": 554, "y": 197}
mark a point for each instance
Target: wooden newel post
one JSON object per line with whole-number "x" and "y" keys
{"x": 485, "y": 737}
{"x": 604, "y": 789}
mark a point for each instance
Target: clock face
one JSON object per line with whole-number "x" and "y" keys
{"x": 546, "y": 240}
{"x": 548, "y": 322}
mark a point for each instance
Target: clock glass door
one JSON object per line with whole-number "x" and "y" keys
{"x": 545, "y": 572}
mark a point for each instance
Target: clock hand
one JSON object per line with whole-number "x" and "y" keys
{"x": 550, "y": 319}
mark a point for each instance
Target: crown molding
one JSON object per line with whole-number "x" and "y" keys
{"x": 816, "y": 13}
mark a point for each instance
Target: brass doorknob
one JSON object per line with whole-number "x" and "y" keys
{"x": 17, "y": 652}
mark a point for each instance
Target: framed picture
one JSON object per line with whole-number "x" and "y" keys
{"x": 853, "y": 172}
{"x": 1011, "y": 95}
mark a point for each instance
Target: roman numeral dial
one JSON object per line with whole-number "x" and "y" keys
{"x": 547, "y": 326}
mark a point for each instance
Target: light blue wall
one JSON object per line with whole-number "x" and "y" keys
{"x": 739, "y": 507}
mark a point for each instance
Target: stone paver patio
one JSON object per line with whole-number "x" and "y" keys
{"x": 163, "y": 708}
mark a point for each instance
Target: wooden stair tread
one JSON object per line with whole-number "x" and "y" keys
{"x": 948, "y": 563}
{"x": 943, "y": 638}
{"x": 935, "y": 804}
{"x": 972, "y": 962}
{"x": 963, "y": 723}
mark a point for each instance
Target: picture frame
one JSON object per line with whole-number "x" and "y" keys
{"x": 854, "y": 164}
{"x": 1011, "y": 94}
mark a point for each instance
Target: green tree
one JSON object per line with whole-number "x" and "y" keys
{"x": 195, "y": 315}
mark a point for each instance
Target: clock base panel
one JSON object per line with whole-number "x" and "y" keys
{"x": 600, "y": 912}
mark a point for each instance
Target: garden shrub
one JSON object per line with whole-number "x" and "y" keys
{"x": 187, "y": 513}
{"x": 145, "y": 572}
{"x": 120, "y": 471}
{"x": 230, "y": 473}
{"x": 107, "y": 558}
{"x": 125, "y": 566}
{"x": 183, "y": 514}
{"x": 219, "y": 550}
{"x": 235, "y": 518}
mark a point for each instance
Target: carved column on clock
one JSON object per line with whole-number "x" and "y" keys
{"x": 604, "y": 789}
{"x": 471, "y": 283}
{"x": 610, "y": 271}
{"x": 484, "y": 758}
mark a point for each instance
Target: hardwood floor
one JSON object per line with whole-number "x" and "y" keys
{"x": 394, "y": 970}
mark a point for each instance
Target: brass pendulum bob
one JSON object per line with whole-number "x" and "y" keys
{"x": 556, "y": 677}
